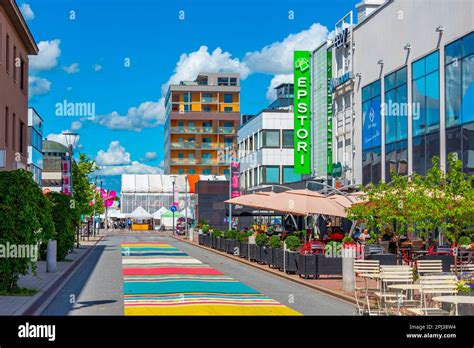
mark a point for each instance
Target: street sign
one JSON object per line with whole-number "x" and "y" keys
{"x": 173, "y": 209}
{"x": 337, "y": 170}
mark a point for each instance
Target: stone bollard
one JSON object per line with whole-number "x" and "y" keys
{"x": 348, "y": 269}
{"x": 51, "y": 251}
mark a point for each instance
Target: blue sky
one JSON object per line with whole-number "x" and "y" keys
{"x": 84, "y": 53}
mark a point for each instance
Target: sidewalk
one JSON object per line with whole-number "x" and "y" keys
{"x": 43, "y": 281}
{"x": 329, "y": 285}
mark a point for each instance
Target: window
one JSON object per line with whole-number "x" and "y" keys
{"x": 288, "y": 138}
{"x": 233, "y": 81}
{"x": 227, "y": 109}
{"x": 206, "y": 108}
{"x": 7, "y": 51}
{"x": 459, "y": 107}
{"x": 289, "y": 175}
{"x": 270, "y": 174}
{"x": 14, "y": 63}
{"x": 22, "y": 74}
{"x": 271, "y": 138}
{"x": 191, "y": 171}
{"x": 180, "y": 171}
{"x": 206, "y": 171}
{"x": 396, "y": 122}
{"x": 228, "y": 98}
{"x": 222, "y": 81}
{"x": 371, "y": 133}
{"x": 207, "y": 97}
{"x": 187, "y": 97}
{"x": 425, "y": 118}
{"x": 7, "y": 129}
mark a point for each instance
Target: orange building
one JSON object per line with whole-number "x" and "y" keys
{"x": 202, "y": 118}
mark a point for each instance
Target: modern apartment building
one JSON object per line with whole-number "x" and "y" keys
{"x": 16, "y": 43}
{"x": 202, "y": 118}
{"x": 54, "y": 155}
{"x": 35, "y": 145}
{"x": 266, "y": 144}
{"x": 414, "y": 87}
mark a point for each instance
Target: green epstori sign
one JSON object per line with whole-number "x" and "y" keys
{"x": 337, "y": 170}
{"x": 302, "y": 116}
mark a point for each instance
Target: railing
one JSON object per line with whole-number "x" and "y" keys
{"x": 183, "y": 161}
{"x": 192, "y": 130}
{"x": 227, "y": 130}
{"x": 183, "y": 145}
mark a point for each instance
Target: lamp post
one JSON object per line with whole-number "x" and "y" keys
{"x": 71, "y": 139}
{"x": 173, "y": 178}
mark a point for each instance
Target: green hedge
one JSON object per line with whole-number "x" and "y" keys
{"x": 25, "y": 219}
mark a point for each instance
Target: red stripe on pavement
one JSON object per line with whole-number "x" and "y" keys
{"x": 170, "y": 270}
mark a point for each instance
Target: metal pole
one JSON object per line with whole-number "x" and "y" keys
{"x": 230, "y": 194}
{"x": 186, "y": 205}
{"x": 172, "y": 204}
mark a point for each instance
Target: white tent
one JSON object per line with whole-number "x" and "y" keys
{"x": 157, "y": 214}
{"x": 187, "y": 212}
{"x": 140, "y": 214}
{"x": 155, "y": 183}
{"x": 115, "y": 214}
{"x": 128, "y": 183}
{"x": 141, "y": 183}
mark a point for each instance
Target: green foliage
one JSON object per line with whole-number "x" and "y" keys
{"x": 65, "y": 218}
{"x": 464, "y": 240}
{"x": 83, "y": 191}
{"x": 243, "y": 236}
{"x": 25, "y": 216}
{"x": 205, "y": 228}
{"x": 275, "y": 242}
{"x": 440, "y": 200}
{"x": 216, "y": 233}
{"x": 292, "y": 243}
{"x": 230, "y": 234}
{"x": 261, "y": 239}
{"x": 347, "y": 239}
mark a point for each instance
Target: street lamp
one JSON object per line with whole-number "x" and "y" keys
{"x": 71, "y": 139}
{"x": 173, "y": 179}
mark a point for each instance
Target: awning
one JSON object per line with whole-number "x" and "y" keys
{"x": 140, "y": 214}
{"x": 254, "y": 200}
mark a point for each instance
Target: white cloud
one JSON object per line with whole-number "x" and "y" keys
{"x": 133, "y": 168}
{"x": 277, "y": 58}
{"x": 277, "y": 80}
{"x": 38, "y": 86}
{"x": 97, "y": 67}
{"x": 47, "y": 57}
{"x": 72, "y": 69}
{"x": 149, "y": 156}
{"x": 115, "y": 155}
{"x": 76, "y": 125}
{"x": 61, "y": 138}
{"x": 27, "y": 12}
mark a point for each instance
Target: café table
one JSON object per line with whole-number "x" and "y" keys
{"x": 405, "y": 287}
{"x": 456, "y": 300}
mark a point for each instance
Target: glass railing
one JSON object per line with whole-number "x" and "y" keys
{"x": 183, "y": 145}
{"x": 227, "y": 130}
{"x": 183, "y": 161}
{"x": 192, "y": 130}
{"x": 208, "y": 100}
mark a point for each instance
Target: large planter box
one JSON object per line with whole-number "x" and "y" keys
{"x": 328, "y": 265}
{"x": 243, "y": 249}
{"x": 205, "y": 239}
{"x": 261, "y": 255}
{"x": 232, "y": 246}
{"x": 201, "y": 239}
{"x": 220, "y": 244}
{"x": 307, "y": 266}
{"x": 447, "y": 260}
{"x": 291, "y": 261}
{"x": 278, "y": 256}
{"x": 270, "y": 257}
{"x": 253, "y": 252}
{"x": 385, "y": 259}
{"x": 213, "y": 242}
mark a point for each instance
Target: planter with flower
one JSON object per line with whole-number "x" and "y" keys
{"x": 291, "y": 255}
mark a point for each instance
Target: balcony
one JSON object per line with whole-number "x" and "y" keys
{"x": 227, "y": 130}
{"x": 205, "y": 100}
{"x": 209, "y": 161}
{"x": 192, "y": 130}
{"x": 184, "y": 161}
{"x": 182, "y": 145}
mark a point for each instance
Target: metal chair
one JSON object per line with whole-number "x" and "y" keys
{"x": 424, "y": 267}
{"x": 391, "y": 275}
{"x": 365, "y": 270}
{"x": 434, "y": 285}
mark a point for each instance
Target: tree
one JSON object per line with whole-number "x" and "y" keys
{"x": 25, "y": 216}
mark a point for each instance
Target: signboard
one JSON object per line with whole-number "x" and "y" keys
{"x": 302, "y": 115}
{"x": 66, "y": 175}
{"x": 337, "y": 81}
{"x": 235, "y": 184}
{"x": 341, "y": 38}
{"x": 337, "y": 170}
{"x": 329, "y": 112}
{"x": 173, "y": 209}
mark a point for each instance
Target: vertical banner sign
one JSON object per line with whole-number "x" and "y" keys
{"x": 66, "y": 175}
{"x": 329, "y": 111}
{"x": 235, "y": 186}
{"x": 302, "y": 124}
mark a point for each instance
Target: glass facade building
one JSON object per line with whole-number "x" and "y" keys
{"x": 371, "y": 133}
{"x": 459, "y": 106}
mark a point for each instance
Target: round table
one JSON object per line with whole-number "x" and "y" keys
{"x": 455, "y": 300}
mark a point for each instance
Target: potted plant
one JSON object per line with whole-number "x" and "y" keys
{"x": 243, "y": 240}
{"x": 261, "y": 240}
{"x": 217, "y": 240}
{"x": 291, "y": 256}
{"x": 230, "y": 241}
{"x": 274, "y": 244}
{"x": 330, "y": 263}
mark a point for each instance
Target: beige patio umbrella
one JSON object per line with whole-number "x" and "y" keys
{"x": 254, "y": 200}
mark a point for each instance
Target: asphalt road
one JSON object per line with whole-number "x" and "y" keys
{"x": 97, "y": 287}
